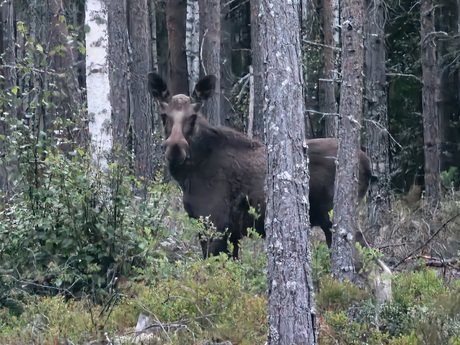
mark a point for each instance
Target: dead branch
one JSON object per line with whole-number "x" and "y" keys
{"x": 322, "y": 45}
{"x": 429, "y": 240}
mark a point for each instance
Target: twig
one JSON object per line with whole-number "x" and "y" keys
{"x": 429, "y": 240}
{"x": 322, "y": 45}
{"x": 405, "y": 75}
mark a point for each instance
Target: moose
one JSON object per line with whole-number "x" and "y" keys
{"x": 221, "y": 172}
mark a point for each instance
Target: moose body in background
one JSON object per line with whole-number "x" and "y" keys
{"x": 222, "y": 172}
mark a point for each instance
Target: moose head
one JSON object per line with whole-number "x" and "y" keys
{"x": 179, "y": 114}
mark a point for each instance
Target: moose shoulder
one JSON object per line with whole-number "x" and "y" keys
{"x": 221, "y": 172}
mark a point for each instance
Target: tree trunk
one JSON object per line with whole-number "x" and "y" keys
{"x": 375, "y": 113}
{"x": 153, "y": 35}
{"x": 119, "y": 80}
{"x": 140, "y": 103}
{"x": 176, "y": 12}
{"x": 210, "y": 53}
{"x": 429, "y": 107}
{"x": 9, "y": 81}
{"x": 346, "y": 182}
{"x": 192, "y": 43}
{"x": 328, "y": 105}
{"x": 290, "y": 290}
{"x": 258, "y": 70}
{"x": 98, "y": 86}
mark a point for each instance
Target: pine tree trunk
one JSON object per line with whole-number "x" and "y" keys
{"x": 118, "y": 57}
{"x": 210, "y": 53}
{"x": 290, "y": 290}
{"x": 346, "y": 182}
{"x": 9, "y": 80}
{"x": 140, "y": 103}
{"x": 429, "y": 106}
{"x": 375, "y": 113}
{"x": 176, "y": 12}
{"x": 153, "y": 35}
{"x": 328, "y": 83}
{"x": 258, "y": 70}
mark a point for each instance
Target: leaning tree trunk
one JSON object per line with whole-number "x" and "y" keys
{"x": 429, "y": 107}
{"x": 291, "y": 312}
{"x": 375, "y": 113}
{"x": 258, "y": 69}
{"x": 328, "y": 105}
{"x": 346, "y": 182}
{"x": 176, "y": 12}
{"x": 210, "y": 53}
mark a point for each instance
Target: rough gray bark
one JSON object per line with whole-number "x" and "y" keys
{"x": 291, "y": 311}
{"x": 210, "y": 53}
{"x": 327, "y": 84}
{"x": 153, "y": 35}
{"x": 429, "y": 107}
{"x": 346, "y": 182}
{"x": 119, "y": 79}
{"x": 176, "y": 11}
{"x": 375, "y": 113}
{"x": 140, "y": 103}
{"x": 9, "y": 80}
{"x": 258, "y": 69}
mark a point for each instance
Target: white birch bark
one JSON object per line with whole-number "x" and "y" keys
{"x": 97, "y": 83}
{"x": 192, "y": 42}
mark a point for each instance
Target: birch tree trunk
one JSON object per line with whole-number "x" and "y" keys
{"x": 375, "y": 113}
{"x": 210, "y": 53}
{"x": 328, "y": 83}
{"x": 97, "y": 83}
{"x": 346, "y": 182}
{"x": 291, "y": 311}
{"x": 429, "y": 107}
{"x": 192, "y": 43}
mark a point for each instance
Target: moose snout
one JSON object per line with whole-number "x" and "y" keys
{"x": 176, "y": 151}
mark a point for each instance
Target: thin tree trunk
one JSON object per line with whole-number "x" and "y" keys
{"x": 429, "y": 107}
{"x": 328, "y": 82}
{"x": 210, "y": 53}
{"x": 9, "y": 81}
{"x": 153, "y": 35}
{"x": 176, "y": 12}
{"x": 119, "y": 78}
{"x": 346, "y": 182}
{"x": 258, "y": 69}
{"x": 375, "y": 112}
{"x": 140, "y": 104}
{"x": 290, "y": 290}
{"x": 98, "y": 86}
{"x": 192, "y": 43}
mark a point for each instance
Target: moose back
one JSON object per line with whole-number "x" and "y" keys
{"x": 221, "y": 171}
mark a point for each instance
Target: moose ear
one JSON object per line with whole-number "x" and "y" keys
{"x": 157, "y": 87}
{"x": 205, "y": 87}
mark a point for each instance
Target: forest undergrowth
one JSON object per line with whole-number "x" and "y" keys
{"x": 80, "y": 262}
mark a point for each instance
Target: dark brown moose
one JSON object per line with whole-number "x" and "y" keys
{"x": 221, "y": 172}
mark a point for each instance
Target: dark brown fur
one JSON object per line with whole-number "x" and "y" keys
{"x": 222, "y": 172}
